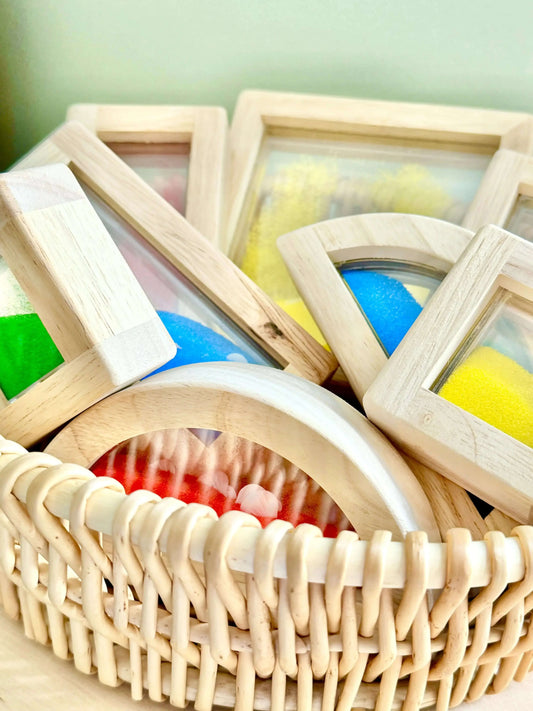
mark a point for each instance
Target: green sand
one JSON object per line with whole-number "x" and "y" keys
{"x": 27, "y": 353}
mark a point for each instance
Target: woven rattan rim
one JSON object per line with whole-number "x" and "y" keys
{"x": 189, "y": 606}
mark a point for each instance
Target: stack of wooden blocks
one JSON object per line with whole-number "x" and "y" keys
{"x": 376, "y": 251}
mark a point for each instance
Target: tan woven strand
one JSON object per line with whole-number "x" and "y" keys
{"x": 187, "y": 606}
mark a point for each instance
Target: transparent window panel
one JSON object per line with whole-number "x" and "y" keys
{"x": 301, "y": 181}
{"x": 521, "y": 219}
{"x": 222, "y": 471}
{"x": 201, "y": 331}
{"x": 27, "y": 352}
{"x": 164, "y": 166}
{"x": 390, "y": 295}
{"x": 491, "y": 375}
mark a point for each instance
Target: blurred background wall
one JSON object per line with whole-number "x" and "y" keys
{"x": 57, "y": 52}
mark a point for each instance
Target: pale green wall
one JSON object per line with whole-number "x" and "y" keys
{"x": 56, "y": 52}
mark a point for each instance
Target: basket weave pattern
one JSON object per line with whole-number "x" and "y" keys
{"x": 171, "y": 599}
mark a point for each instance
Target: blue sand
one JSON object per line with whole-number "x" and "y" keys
{"x": 197, "y": 343}
{"x": 388, "y": 306}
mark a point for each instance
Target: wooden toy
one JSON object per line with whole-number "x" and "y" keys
{"x": 366, "y": 278}
{"x": 458, "y": 391}
{"x": 401, "y": 259}
{"x": 179, "y": 150}
{"x": 505, "y": 197}
{"x": 74, "y": 323}
{"x": 181, "y": 271}
{"x": 316, "y": 431}
{"x": 298, "y": 159}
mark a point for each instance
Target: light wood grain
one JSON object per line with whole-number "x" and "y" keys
{"x": 319, "y": 433}
{"x": 186, "y": 249}
{"x": 203, "y": 128}
{"x": 257, "y": 112}
{"x": 311, "y": 254}
{"x": 467, "y": 450}
{"x": 85, "y": 294}
{"x": 500, "y": 189}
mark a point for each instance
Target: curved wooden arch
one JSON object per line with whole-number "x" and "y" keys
{"x": 321, "y": 434}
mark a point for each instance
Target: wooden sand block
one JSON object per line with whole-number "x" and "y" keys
{"x": 389, "y": 263}
{"x": 458, "y": 391}
{"x": 376, "y": 262}
{"x": 201, "y": 296}
{"x": 180, "y": 151}
{"x": 314, "y": 430}
{"x": 75, "y": 323}
{"x": 299, "y": 159}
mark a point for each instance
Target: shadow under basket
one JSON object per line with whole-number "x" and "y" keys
{"x": 191, "y": 607}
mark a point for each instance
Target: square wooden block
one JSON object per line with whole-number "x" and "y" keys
{"x": 299, "y": 159}
{"x": 74, "y": 323}
{"x": 179, "y": 150}
{"x": 458, "y": 391}
{"x": 198, "y": 292}
{"x": 366, "y": 278}
{"x": 505, "y": 197}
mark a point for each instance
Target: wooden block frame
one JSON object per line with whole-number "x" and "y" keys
{"x": 168, "y": 232}
{"x": 319, "y": 433}
{"x": 468, "y": 450}
{"x": 509, "y": 177}
{"x": 312, "y": 252}
{"x": 203, "y": 128}
{"x": 260, "y": 112}
{"x": 94, "y": 310}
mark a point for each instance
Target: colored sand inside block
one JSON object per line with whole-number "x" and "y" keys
{"x": 197, "y": 343}
{"x": 495, "y": 388}
{"x": 387, "y": 304}
{"x": 253, "y": 480}
{"x": 300, "y": 195}
{"x": 27, "y": 353}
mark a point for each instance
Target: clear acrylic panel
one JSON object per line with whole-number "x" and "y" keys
{"x": 164, "y": 166}
{"x": 390, "y": 295}
{"x": 200, "y": 329}
{"x": 521, "y": 220}
{"x": 491, "y": 375}
{"x": 27, "y": 352}
{"x": 222, "y": 471}
{"x": 301, "y": 181}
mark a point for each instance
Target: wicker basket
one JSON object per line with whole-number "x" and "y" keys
{"x": 172, "y": 599}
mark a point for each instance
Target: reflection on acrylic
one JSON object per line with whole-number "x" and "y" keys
{"x": 492, "y": 375}
{"x": 300, "y": 181}
{"x": 27, "y": 353}
{"x": 200, "y": 330}
{"x": 222, "y": 471}
{"x": 164, "y": 167}
{"x": 521, "y": 219}
{"x": 390, "y": 294}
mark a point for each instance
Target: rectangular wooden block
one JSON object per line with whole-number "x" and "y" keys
{"x": 70, "y": 306}
{"x": 458, "y": 391}
{"x": 181, "y": 151}
{"x": 211, "y": 284}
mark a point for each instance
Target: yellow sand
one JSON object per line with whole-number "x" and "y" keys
{"x": 410, "y": 189}
{"x": 300, "y": 196}
{"x": 301, "y": 315}
{"x": 419, "y": 293}
{"x": 496, "y": 389}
